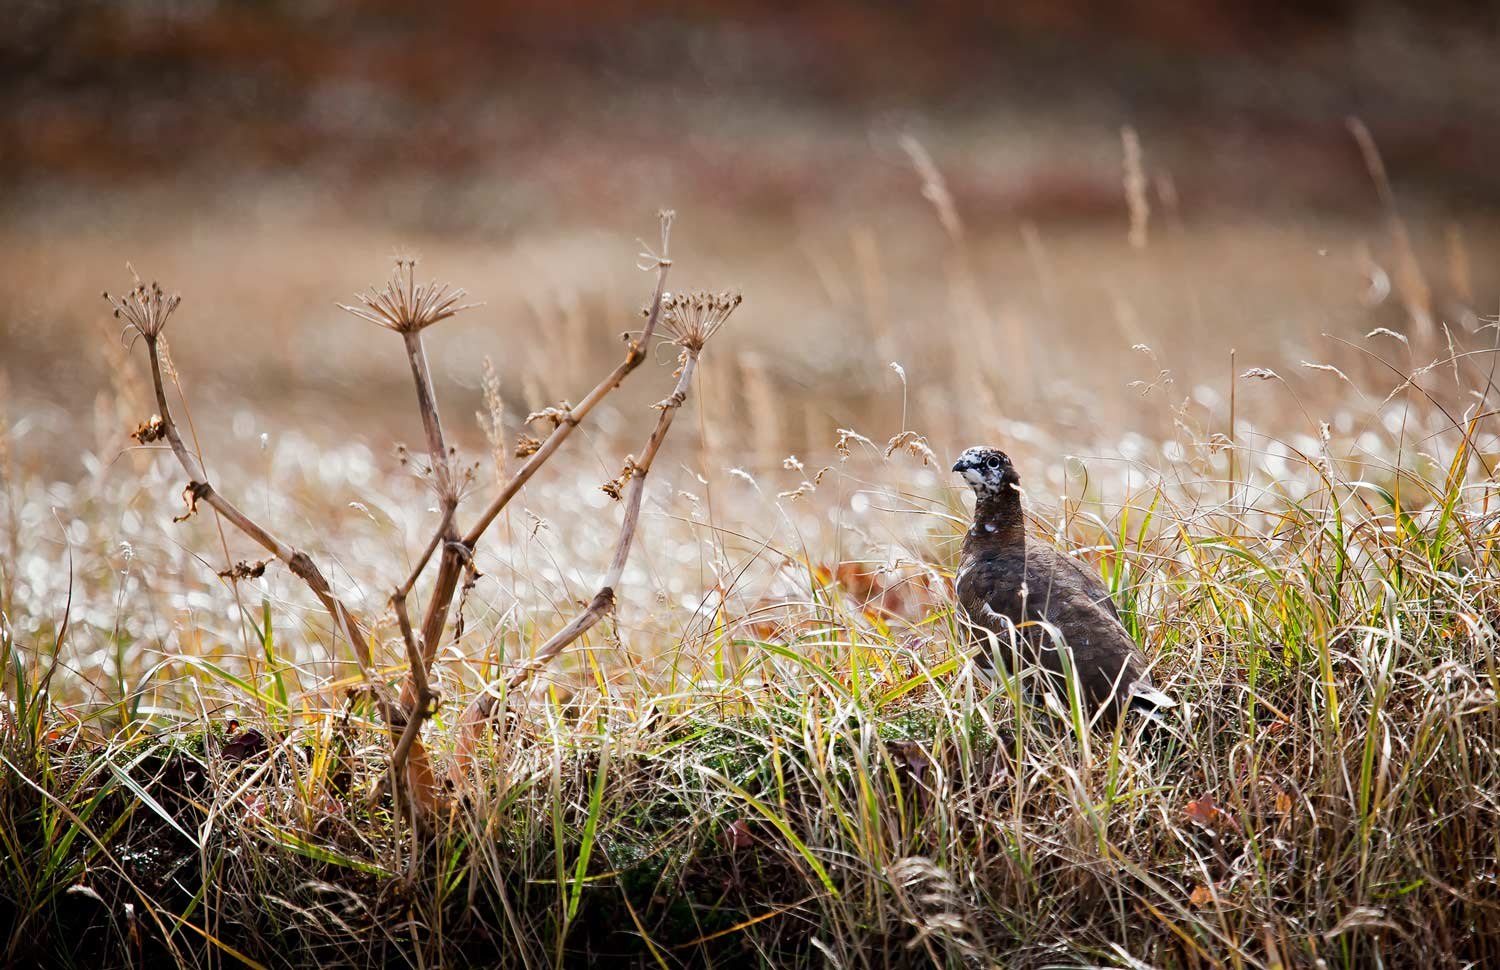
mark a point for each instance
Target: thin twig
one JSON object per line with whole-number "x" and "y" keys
{"x": 633, "y": 358}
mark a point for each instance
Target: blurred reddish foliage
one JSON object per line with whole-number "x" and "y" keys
{"x": 101, "y": 89}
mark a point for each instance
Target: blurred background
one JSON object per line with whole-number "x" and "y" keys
{"x": 944, "y": 185}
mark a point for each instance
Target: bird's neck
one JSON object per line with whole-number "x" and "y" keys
{"x": 998, "y": 520}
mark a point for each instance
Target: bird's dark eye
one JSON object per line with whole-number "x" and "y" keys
{"x": 992, "y": 462}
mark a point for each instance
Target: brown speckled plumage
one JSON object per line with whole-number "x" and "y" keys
{"x": 1024, "y": 590}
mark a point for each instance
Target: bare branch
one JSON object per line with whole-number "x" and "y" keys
{"x": 451, "y": 563}
{"x": 482, "y": 709}
{"x": 458, "y": 552}
{"x": 633, "y": 357}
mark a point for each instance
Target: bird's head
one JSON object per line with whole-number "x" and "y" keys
{"x": 988, "y": 470}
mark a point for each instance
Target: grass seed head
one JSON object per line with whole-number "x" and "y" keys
{"x": 406, "y": 306}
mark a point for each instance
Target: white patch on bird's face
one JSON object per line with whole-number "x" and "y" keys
{"x": 986, "y": 470}
{"x": 972, "y": 456}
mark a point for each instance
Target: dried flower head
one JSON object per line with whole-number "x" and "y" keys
{"x": 690, "y": 319}
{"x": 406, "y": 306}
{"x": 145, "y": 309}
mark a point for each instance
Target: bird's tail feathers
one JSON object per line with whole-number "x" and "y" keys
{"x": 1150, "y": 702}
{"x": 1144, "y": 696}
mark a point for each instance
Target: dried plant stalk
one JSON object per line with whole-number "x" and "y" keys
{"x": 407, "y": 308}
{"x": 457, "y": 553}
{"x": 690, "y": 328}
{"x": 418, "y": 699}
{"x": 417, "y": 769}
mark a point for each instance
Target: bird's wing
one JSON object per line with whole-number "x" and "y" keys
{"x": 1108, "y": 661}
{"x": 1089, "y": 581}
{"x": 982, "y": 593}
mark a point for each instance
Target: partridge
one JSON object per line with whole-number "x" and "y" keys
{"x": 1038, "y": 602}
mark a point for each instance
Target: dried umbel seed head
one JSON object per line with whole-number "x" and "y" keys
{"x": 145, "y": 309}
{"x": 406, "y": 306}
{"x": 690, "y": 319}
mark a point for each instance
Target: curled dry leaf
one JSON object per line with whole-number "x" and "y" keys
{"x": 148, "y": 431}
{"x": 1208, "y": 814}
{"x": 191, "y": 493}
{"x": 245, "y": 570}
{"x": 739, "y": 836}
{"x": 562, "y": 414}
{"x": 616, "y": 485}
{"x": 244, "y": 745}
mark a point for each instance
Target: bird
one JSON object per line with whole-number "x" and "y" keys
{"x": 1038, "y": 602}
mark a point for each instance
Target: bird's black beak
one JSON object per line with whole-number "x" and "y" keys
{"x": 959, "y": 465}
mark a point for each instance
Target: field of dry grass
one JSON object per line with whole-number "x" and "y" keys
{"x": 1274, "y": 437}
